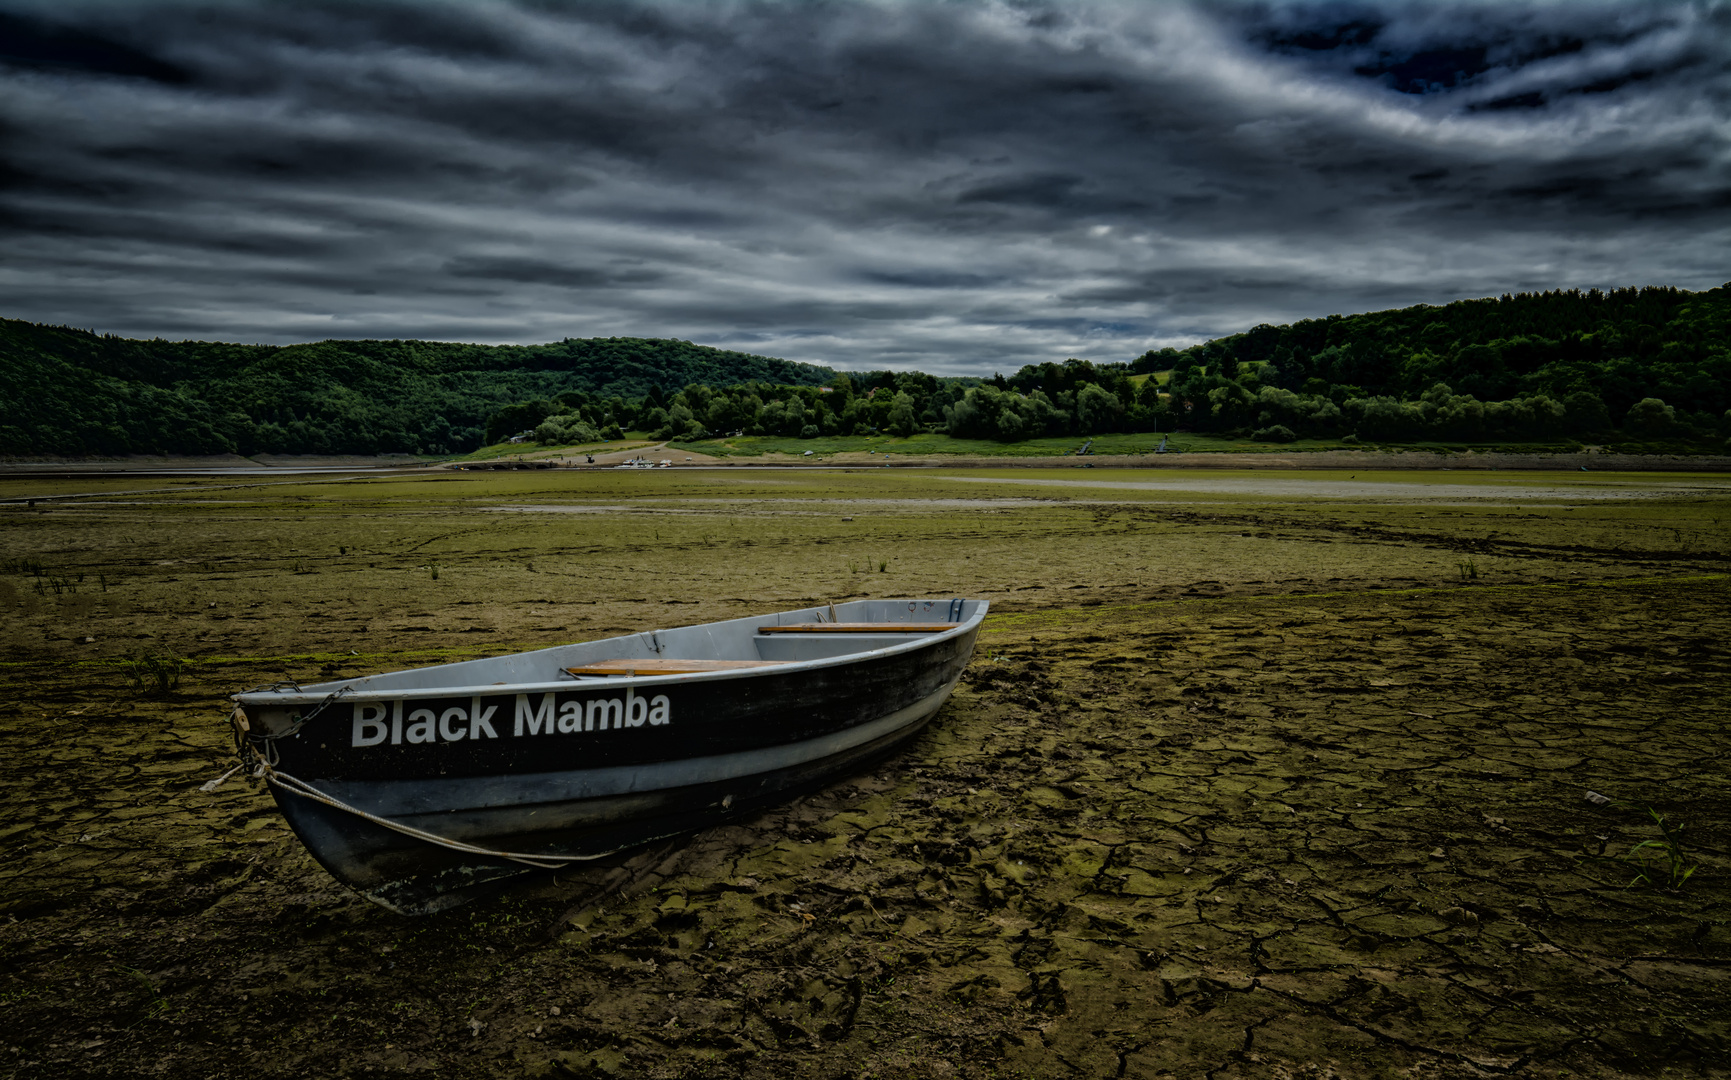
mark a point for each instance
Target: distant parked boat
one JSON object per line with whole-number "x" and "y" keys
{"x": 420, "y": 788}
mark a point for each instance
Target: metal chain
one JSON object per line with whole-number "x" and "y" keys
{"x": 260, "y": 746}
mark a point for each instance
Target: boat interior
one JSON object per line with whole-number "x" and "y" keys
{"x": 735, "y": 646}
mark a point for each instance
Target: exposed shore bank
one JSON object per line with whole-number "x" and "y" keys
{"x": 286, "y": 464}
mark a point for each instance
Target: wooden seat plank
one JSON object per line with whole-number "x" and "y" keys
{"x": 665, "y": 666}
{"x": 858, "y": 628}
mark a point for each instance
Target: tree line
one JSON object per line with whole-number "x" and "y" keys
{"x": 69, "y": 392}
{"x": 896, "y": 403}
{"x": 1649, "y": 364}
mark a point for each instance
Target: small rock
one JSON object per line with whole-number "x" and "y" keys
{"x": 1438, "y": 853}
{"x": 1597, "y": 799}
{"x": 1458, "y": 916}
{"x": 554, "y": 1011}
{"x": 475, "y": 1027}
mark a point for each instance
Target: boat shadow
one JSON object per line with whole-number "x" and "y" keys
{"x": 708, "y": 854}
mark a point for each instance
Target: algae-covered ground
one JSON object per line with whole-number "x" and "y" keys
{"x": 1251, "y": 776}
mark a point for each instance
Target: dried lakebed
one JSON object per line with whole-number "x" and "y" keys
{"x": 1299, "y": 801}
{"x": 1384, "y": 487}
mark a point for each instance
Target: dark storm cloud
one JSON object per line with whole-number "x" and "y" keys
{"x": 954, "y": 186}
{"x": 35, "y": 42}
{"x": 533, "y": 271}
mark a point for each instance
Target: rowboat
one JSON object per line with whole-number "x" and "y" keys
{"x": 421, "y": 789}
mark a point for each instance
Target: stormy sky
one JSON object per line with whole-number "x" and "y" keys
{"x": 958, "y": 186}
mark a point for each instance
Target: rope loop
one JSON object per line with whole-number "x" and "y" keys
{"x": 258, "y": 750}
{"x": 295, "y": 786}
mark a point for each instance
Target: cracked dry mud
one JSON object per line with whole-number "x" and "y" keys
{"x": 1231, "y": 822}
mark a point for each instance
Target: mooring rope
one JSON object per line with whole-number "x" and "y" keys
{"x": 211, "y": 785}
{"x": 261, "y": 746}
{"x": 305, "y": 790}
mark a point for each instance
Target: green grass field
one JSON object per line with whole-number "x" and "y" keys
{"x": 929, "y": 444}
{"x": 633, "y": 440}
{"x": 921, "y": 445}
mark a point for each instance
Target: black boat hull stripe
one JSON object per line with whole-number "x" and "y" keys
{"x": 404, "y": 800}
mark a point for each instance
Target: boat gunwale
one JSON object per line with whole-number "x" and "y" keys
{"x": 318, "y": 692}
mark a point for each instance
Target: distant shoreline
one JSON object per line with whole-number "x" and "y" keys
{"x": 227, "y": 464}
{"x": 1354, "y": 459}
{"x": 1370, "y": 460}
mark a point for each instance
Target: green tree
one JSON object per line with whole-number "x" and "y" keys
{"x": 1097, "y": 410}
{"x": 1651, "y": 418}
{"x": 903, "y": 419}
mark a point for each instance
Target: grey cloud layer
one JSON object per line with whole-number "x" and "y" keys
{"x": 958, "y": 187}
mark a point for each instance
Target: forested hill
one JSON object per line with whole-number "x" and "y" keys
{"x": 70, "y": 392}
{"x": 1649, "y": 366}
{"x": 1622, "y": 346}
